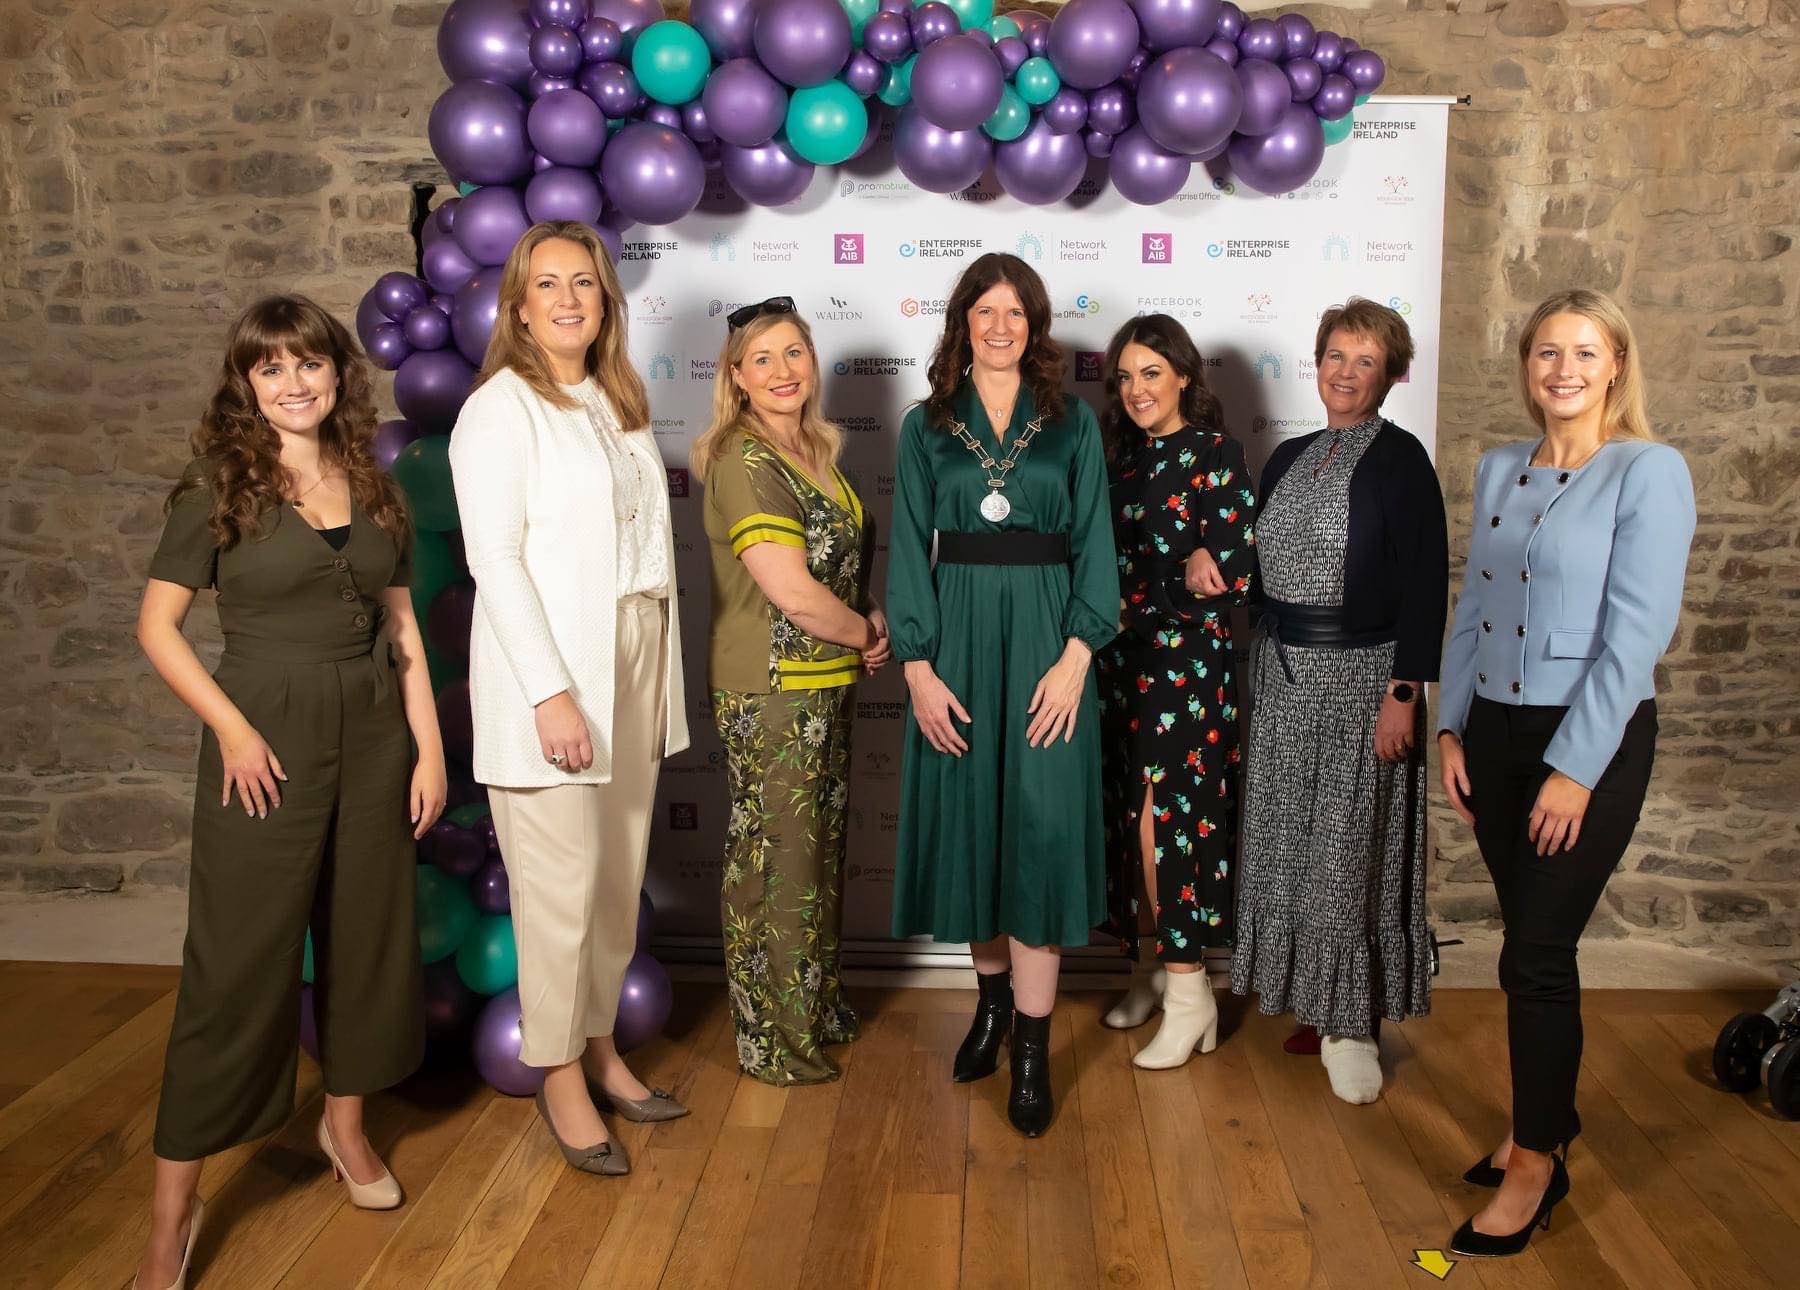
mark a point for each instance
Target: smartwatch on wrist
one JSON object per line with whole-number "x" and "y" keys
{"x": 1402, "y": 691}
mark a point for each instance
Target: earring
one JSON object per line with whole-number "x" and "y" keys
{"x": 1613, "y": 382}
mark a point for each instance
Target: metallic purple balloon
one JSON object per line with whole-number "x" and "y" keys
{"x": 487, "y": 40}
{"x": 449, "y": 1004}
{"x": 568, "y": 128}
{"x": 438, "y": 224}
{"x": 627, "y": 15}
{"x": 1231, "y": 21}
{"x": 901, "y": 7}
{"x": 1328, "y": 51}
{"x": 1349, "y": 46}
{"x": 564, "y": 192}
{"x": 447, "y": 627}
{"x": 490, "y": 222}
{"x": 399, "y": 294}
{"x": 477, "y": 130}
{"x": 864, "y": 72}
{"x": 455, "y": 720}
{"x": 556, "y": 51}
{"x": 1092, "y": 41}
{"x": 540, "y": 85}
{"x": 1067, "y": 112}
{"x": 1144, "y": 171}
{"x": 1365, "y": 70}
{"x": 956, "y": 83}
{"x": 1284, "y": 158}
{"x": 1224, "y": 49}
{"x": 427, "y": 327}
{"x": 1297, "y": 35}
{"x": 1097, "y": 143}
{"x": 1172, "y": 24}
{"x": 645, "y": 1000}
{"x": 932, "y": 22}
{"x": 429, "y": 389}
{"x": 646, "y": 923}
{"x": 472, "y": 316}
{"x": 1266, "y": 95}
{"x": 1189, "y": 101}
{"x": 727, "y": 26}
{"x": 490, "y": 834}
{"x": 938, "y": 160}
{"x": 981, "y": 36}
{"x": 560, "y": 13}
{"x": 540, "y": 164}
{"x": 1261, "y": 38}
{"x": 663, "y": 114}
{"x": 443, "y": 301}
{"x": 653, "y": 173}
{"x": 490, "y": 890}
{"x": 744, "y": 104}
{"x": 1011, "y": 51}
{"x": 369, "y": 316}
{"x": 1134, "y": 69}
{"x": 611, "y": 239}
{"x": 802, "y": 42}
{"x": 770, "y": 175}
{"x": 1305, "y": 77}
{"x": 1040, "y": 166}
{"x": 495, "y": 1045}
{"x": 601, "y": 40}
{"x": 390, "y": 438}
{"x": 1110, "y": 109}
{"x": 694, "y": 123}
{"x": 387, "y": 346}
{"x": 309, "y": 1023}
{"x": 614, "y": 88}
{"x": 1335, "y": 98}
{"x": 888, "y": 36}
{"x": 459, "y": 852}
{"x": 1034, "y": 30}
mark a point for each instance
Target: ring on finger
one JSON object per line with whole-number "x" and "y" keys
{"x": 556, "y": 759}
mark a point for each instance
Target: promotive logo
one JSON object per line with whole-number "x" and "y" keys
{"x": 847, "y": 248}
{"x": 714, "y": 307}
{"x": 1337, "y": 247}
{"x": 723, "y": 246}
{"x": 662, "y": 367}
{"x": 1089, "y": 365}
{"x": 1029, "y": 244}
{"x": 1159, "y": 248}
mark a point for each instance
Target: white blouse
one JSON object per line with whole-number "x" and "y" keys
{"x": 639, "y": 497}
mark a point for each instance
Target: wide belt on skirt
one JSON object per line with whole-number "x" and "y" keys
{"x": 1002, "y": 547}
{"x": 1312, "y": 627}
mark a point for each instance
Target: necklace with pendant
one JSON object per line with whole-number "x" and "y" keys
{"x": 994, "y": 507}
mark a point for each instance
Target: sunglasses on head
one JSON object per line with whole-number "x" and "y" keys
{"x": 744, "y": 313}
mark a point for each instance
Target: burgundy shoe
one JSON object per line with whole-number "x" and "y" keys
{"x": 1304, "y": 1042}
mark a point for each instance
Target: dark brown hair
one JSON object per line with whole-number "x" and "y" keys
{"x": 1374, "y": 322}
{"x": 1169, "y": 341}
{"x": 1041, "y": 366}
{"x": 243, "y": 451}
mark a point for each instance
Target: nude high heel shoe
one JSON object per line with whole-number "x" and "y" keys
{"x": 1190, "y": 1023}
{"x": 187, "y": 1253}
{"x": 383, "y": 1193}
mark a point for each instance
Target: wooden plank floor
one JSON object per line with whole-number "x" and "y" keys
{"x": 1239, "y": 1170}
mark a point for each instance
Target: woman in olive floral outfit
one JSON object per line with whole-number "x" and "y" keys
{"x": 791, "y": 630}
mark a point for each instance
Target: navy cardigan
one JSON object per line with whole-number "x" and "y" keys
{"x": 1397, "y": 558}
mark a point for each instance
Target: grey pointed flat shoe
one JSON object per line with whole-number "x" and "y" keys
{"x": 608, "y": 1158}
{"x": 656, "y": 1108}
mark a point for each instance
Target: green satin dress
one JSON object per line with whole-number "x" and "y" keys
{"x": 1007, "y": 839}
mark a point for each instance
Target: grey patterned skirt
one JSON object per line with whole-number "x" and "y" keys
{"x": 1331, "y": 919}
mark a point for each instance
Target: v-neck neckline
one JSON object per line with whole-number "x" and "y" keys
{"x": 840, "y": 486}
{"x": 319, "y": 533}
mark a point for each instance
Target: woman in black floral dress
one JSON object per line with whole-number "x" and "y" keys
{"x": 1182, "y": 516}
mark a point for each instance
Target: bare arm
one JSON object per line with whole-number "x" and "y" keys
{"x": 430, "y": 782}
{"x": 780, "y": 571}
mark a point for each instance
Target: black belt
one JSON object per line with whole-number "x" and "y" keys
{"x": 1312, "y": 627}
{"x": 1002, "y": 547}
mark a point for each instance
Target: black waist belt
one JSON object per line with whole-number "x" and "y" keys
{"x": 1312, "y": 627}
{"x": 1001, "y": 547}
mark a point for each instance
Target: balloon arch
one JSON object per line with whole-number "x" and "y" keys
{"x": 609, "y": 113}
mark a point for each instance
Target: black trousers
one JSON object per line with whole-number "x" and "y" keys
{"x": 1545, "y": 901}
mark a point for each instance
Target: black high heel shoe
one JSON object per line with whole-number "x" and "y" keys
{"x": 1032, "y": 1105}
{"x": 1484, "y": 1173}
{"x": 1473, "y": 1244}
{"x": 979, "y": 1054}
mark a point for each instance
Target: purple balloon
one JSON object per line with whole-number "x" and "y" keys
{"x": 938, "y": 160}
{"x": 399, "y": 294}
{"x": 1067, "y": 111}
{"x": 653, "y": 173}
{"x": 489, "y": 833}
{"x": 1110, "y": 109}
{"x": 1092, "y": 41}
{"x": 443, "y": 301}
{"x": 931, "y": 22}
{"x": 430, "y": 388}
{"x": 1231, "y": 21}
{"x": 370, "y": 315}
{"x": 1328, "y": 51}
{"x": 1298, "y": 35}
{"x": 568, "y": 128}
{"x": 1134, "y": 69}
{"x": 1224, "y": 49}
{"x": 802, "y": 42}
{"x": 388, "y": 347}
{"x": 447, "y": 627}
{"x": 744, "y": 104}
{"x": 442, "y": 220}
{"x": 472, "y": 316}
{"x": 771, "y": 175}
{"x": 901, "y": 7}
{"x": 1304, "y": 77}
{"x": 540, "y": 85}
{"x": 496, "y": 1043}
{"x": 449, "y": 1004}
{"x": 663, "y": 114}
{"x": 956, "y": 84}
{"x": 628, "y": 16}
{"x": 559, "y": 13}
{"x": 1011, "y": 51}
{"x": 1335, "y": 98}
{"x": 888, "y": 36}
{"x": 725, "y": 25}
{"x": 1144, "y": 171}
{"x": 427, "y": 328}
{"x": 1189, "y": 101}
{"x": 601, "y": 40}
{"x": 540, "y": 164}
{"x": 1266, "y": 95}
{"x": 1365, "y": 70}
{"x": 646, "y": 923}
{"x": 490, "y": 222}
{"x": 1034, "y": 30}
{"x": 478, "y": 131}
{"x": 614, "y": 88}
{"x": 1173, "y": 24}
{"x": 455, "y": 722}
{"x": 1040, "y": 166}
{"x": 645, "y": 1000}
{"x": 390, "y": 438}
{"x": 1097, "y": 143}
{"x": 556, "y": 51}
{"x": 694, "y": 122}
{"x": 1261, "y": 38}
{"x": 864, "y": 73}
{"x": 309, "y": 1022}
{"x": 486, "y": 40}
{"x": 447, "y": 266}
{"x": 490, "y": 890}
{"x": 1284, "y": 158}
{"x": 563, "y": 193}
{"x": 459, "y": 852}
{"x": 1349, "y": 46}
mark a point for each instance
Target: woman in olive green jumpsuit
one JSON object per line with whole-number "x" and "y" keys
{"x": 309, "y": 795}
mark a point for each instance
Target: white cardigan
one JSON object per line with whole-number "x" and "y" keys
{"x": 535, "y": 493}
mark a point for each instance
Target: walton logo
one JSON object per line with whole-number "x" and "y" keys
{"x": 1159, "y": 248}
{"x": 847, "y": 248}
{"x": 1029, "y": 242}
{"x": 723, "y": 242}
{"x": 662, "y": 367}
{"x": 1089, "y": 364}
{"x": 1214, "y": 250}
{"x": 1336, "y": 248}
{"x": 1268, "y": 367}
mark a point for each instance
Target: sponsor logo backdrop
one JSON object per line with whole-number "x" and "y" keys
{"x": 870, "y": 261}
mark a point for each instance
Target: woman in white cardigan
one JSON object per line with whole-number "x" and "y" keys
{"x": 574, "y": 660}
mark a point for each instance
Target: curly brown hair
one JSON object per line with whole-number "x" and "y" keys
{"x": 1041, "y": 368}
{"x": 242, "y": 451}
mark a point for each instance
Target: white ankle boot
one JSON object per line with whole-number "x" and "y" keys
{"x": 1142, "y": 997}
{"x": 1354, "y": 1065}
{"x": 1190, "y": 1022}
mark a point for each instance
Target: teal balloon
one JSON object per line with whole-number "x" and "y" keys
{"x": 1361, "y": 99}
{"x": 859, "y": 11}
{"x": 436, "y": 563}
{"x": 423, "y": 472}
{"x": 1001, "y": 28}
{"x": 1036, "y": 80}
{"x": 1011, "y": 119}
{"x": 896, "y": 90}
{"x": 826, "y": 123}
{"x": 468, "y": 815}
{"x": 306, "y": 964}
{"x": 972, "y": 13}
{"x": 446, "y": 914}
{"x": 488, "y": 960}
{"x": 1339, "y": 130}
{"x": 670, "y": 61}
{"x": 465, "y": 188}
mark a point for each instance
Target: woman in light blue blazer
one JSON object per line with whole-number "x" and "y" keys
{"x": 1547, "y": 714}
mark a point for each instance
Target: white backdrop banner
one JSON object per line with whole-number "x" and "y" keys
{"x": 870, "y": 260}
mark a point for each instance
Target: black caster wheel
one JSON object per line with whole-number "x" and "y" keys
{"x": 1784, "y": 1080}
{"x": 1738, "y": 1052}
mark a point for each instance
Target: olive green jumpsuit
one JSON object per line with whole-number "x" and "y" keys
{"x": 305, "y": 663}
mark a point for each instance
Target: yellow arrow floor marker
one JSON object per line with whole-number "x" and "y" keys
{"x": 1433, "y": 1263}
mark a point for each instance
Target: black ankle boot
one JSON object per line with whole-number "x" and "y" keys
{"x": 1031, "y": 1105}
{"x": 979, "y": 1055}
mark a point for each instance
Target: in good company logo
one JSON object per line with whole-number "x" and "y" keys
{"x": 911, "y": 308}
{"x": 1089, "y": 364}
{"x": 1029, "y": 245}
{"x": 723, "y": 248}
{"x": 847, "y": 248}
{"x": 1159, "y": 248}
{"x": 662, "y": 367}
{"x": 1336, "y": 247}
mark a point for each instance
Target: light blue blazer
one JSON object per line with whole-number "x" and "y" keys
{"x": 1571, "y": 592}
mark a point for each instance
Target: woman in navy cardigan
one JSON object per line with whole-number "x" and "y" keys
{"x": 1547, "y": 718}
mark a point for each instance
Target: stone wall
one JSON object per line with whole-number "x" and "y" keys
{"x": 165, "y": 161}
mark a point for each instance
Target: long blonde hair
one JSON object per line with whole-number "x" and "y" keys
{"x": 732, "y": 415}
{"x": 607, "y": 361}
{"x": 1626, "y": 414}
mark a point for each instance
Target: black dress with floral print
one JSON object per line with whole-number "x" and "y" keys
{"x": 1168, "y": 696}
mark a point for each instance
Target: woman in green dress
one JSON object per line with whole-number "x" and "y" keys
{"x": 792, "y": 628}
{"x": 1001, "y": 832}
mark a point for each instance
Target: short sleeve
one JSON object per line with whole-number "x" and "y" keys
{"x": 188, "y": 554}
{"x": 403, "y": 556}
{"x": 749, "y": 490}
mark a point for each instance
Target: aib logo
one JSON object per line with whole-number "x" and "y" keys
{"x": 847, "y": 248}
{"x": 1399, "y": 306}
{"x": 662, "y": 367}
{"x": 1268, "y": 367}
{"x": 1260, "y": 301}
{"x": 1088, "y": 364}
{"x": 721, "y": 242}
{"x": 1396, "y": 184}
{"x": 1336, "y": 248}
{"x": 1029, "y": 242}
{"x": 1087, "y": 304}
{"x": 1214, "y": 250}
{"x": 908, "y": 250}
{"x": 684, "y": 816}
{"x": 909, "y": 308}
{"x": 678, "y": 481}
{"x": 1158, "y": 248}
